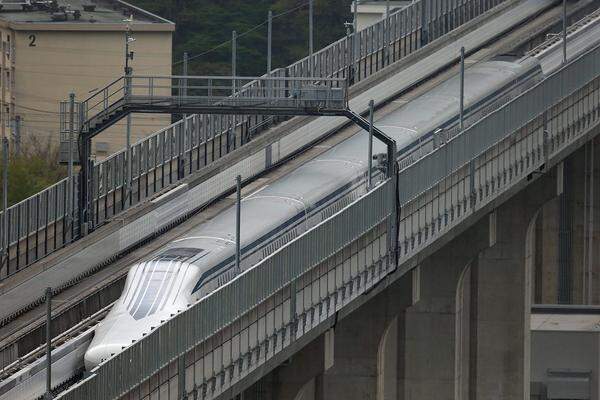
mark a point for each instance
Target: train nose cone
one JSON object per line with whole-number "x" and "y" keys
{"x": 95, "y": 354}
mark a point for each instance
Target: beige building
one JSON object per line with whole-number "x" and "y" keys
{"x": 370, "y": 12}
{"x": 80, "y": 47}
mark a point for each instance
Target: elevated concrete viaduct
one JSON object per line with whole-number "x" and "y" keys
{"x": 458, "y": 325}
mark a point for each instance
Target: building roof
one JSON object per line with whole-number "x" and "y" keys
{"x": 378, "y": 6}
{"x": 78, "y": 14}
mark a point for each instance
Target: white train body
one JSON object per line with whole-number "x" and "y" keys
{"x": 190, "y": 268}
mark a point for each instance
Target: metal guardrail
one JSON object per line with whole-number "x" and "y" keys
{"x": 192, "y": 143}
{"x": 220, "y": 92}
{"x": 212, "y": 313}
{"x": 39, "y": 225}
{"x": 212, "y": 95}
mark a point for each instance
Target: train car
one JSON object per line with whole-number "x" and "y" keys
{"x": 192, "y": 267}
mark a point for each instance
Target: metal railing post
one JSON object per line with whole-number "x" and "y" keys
{"x": 83, "y": 184}
{"x": 70, "y": 165}
{"x": 424, "y": 23}
{"x": 564, "y": 30}
{"x": 370, "y": 154}
{"x": 128, "y": 154}
{"x": 183, "y": 132}
{"x": 386, "y": 34}
{"x": 128, "y": 89}
{"x": 462, "y": 87}
{"x": 269, "y": 53}
{"x": 310, "y": 36}
{"x": 355, "y": 44}
{"x": 233, "y": 60}
{"x": 48, "y": 343}
{"x": 238, "y": 212}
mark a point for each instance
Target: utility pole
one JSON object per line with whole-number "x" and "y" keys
{"x": 370, "y": 160}
{"x": 462, "y": 87}
{"x": 355, "y": 13}
{"x": 269, "y": 41}
{"x": 185, "y": 72}
{"x": 386, "y": 34}
{"x": 180, "y": 161}
{"x": 17, "y": 134}
{"x": 3, "y": 82}
{"x": 48, "y": 343}
{"x": 128, "y": 72}
{"x": 5, "y": 239}
{"x": 355, "y": 40}
{"x": 238, "y": 213}
{"x": 310, "y": 29}
{"x": 233, "y": 60}
{"x": 564, "y": 30}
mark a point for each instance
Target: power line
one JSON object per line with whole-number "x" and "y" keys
{"x": 36, "y": 109}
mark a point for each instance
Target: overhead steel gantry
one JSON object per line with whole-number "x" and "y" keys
{"x": 210, "y": 95}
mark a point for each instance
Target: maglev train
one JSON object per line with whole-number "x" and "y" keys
{"x": 193, "y": 266}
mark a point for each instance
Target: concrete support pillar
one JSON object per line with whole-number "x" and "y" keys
{"x": 431, "y": 328}
{"x": 501, "y": 299}
{"x": 366, "y": 349}
{"x": 387, "y": 363}
{"x": 546, "y": 254}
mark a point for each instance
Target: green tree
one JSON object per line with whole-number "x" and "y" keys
{"x": 31, "y": 171}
